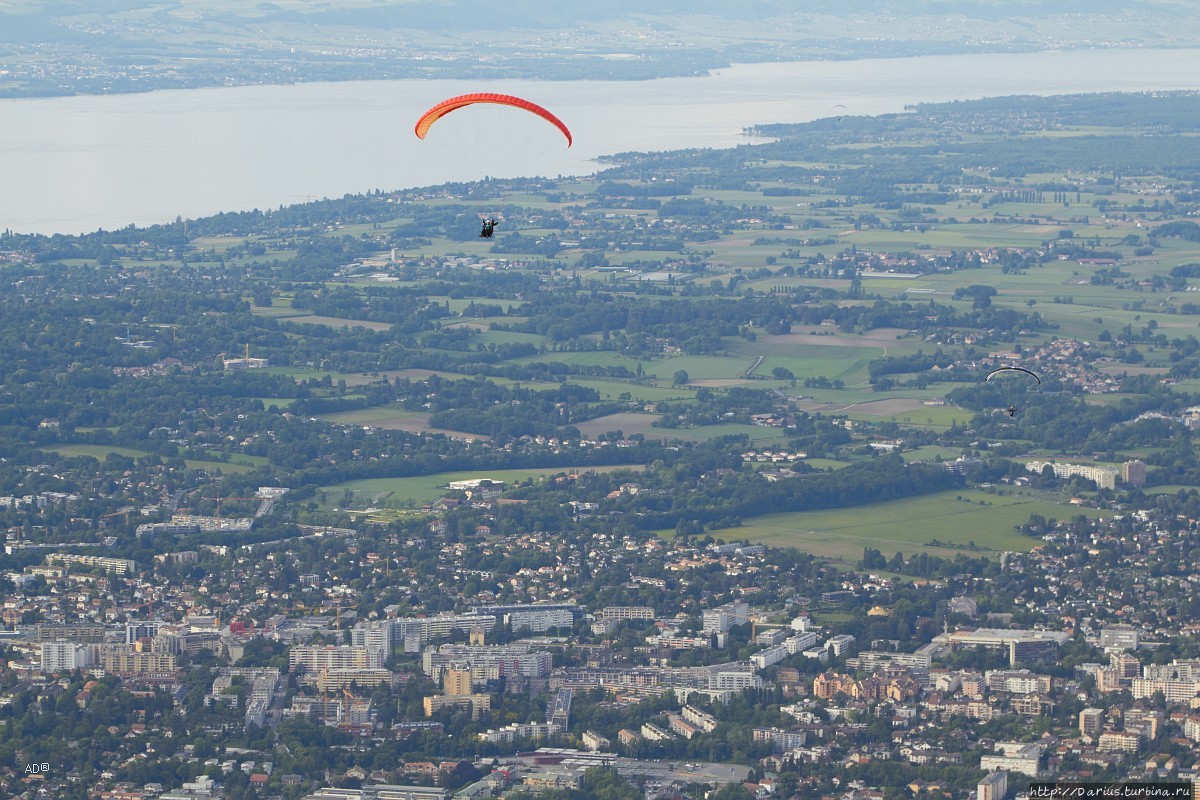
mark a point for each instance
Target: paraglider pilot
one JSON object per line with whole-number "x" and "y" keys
{"x": 1012, "y": 409}
{"x": 489, "y": 225}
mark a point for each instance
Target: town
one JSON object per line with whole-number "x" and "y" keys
{"x": 811, "y": 471}
{"x": 537, "y": 693}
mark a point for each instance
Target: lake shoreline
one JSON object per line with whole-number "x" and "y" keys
{"x": 89, "y": 162}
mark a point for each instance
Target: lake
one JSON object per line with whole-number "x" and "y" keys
{"x": 76, "y": 164}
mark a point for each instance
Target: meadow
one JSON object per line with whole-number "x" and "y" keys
{"x": 908, "y": 526}
{"x": 411, "y": 492}
{"x": 239, "y": 465}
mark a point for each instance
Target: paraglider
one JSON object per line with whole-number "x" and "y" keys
{"x": 454, "y": 103}
{"x": 1000, "y": 370}
{"x": 1005, "y": 371}
{"x": 489, "y": 227}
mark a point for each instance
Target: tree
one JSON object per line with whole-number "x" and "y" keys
{"x": 681, "y": 378}
{"x": 732, "y": 791}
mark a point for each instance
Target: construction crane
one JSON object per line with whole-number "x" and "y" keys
{"x": 755, "y": 625}
{"x": 125, "y": 512}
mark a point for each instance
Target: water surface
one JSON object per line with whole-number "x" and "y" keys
{"x": 76, "y": 164}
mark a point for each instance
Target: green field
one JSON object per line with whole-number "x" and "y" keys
{"x": 931, "y": 453}
{"x": 239, "y": 465}
{"x": 301, "y": 373}
{"x": 613, "y": 389}
{"x": 826, "y": 463}
{"x": 415, "y": 490}
{"x": 758, "y": 434}
{"x": 935, "y": 417}
{"x": 338, "y": 322}
{"x": 100, "y": 452}
{"x": 368, "y": 416}
{"x": 1063, "y": 279}
{"x": 809, "y": 357}
{"x": 281, "y": 306}
{"x": 232, "y": 468}
{"x": 281, "y": 402}
{"x": 907, "y": 525}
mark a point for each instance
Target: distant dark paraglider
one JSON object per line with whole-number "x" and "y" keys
{"x": 996, "y": 372}
{"x": 454, "y": 103}
{"x": 489, "y": 227}
{"x": 1001, "y": 371}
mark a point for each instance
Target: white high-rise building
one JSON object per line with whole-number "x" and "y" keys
{"x": 994, "y": 786}
{"x": 141, "y": 630}
{"x": 63, "y": 656}
{"x": 1104, "y": 477}
{"x": 1091, "y": 722}
{"x": 722, "y": 618}
{"x": 840, "y": 644}
{"x": 1134, "y": 472}
{"x": 376, "y": 634}
{"x": 327, "y": 658}
{"x": 537, "y": 617}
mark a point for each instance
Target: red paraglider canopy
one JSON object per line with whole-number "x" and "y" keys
{"x": 454, "y": 103}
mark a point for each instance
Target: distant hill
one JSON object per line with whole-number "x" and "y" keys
{"x": 63, "y": 48}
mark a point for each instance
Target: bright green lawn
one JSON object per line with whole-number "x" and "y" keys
{"x": 613, "y": 389}
{"x": 99, "y": 452}
{"x": 932, "y": 452}
{"x": 281, "y": 306}
{"x": 826, "y": 463}
{"x": 365, "y": 416}
{"x": 757, "y": 433}
{"x": 398, "y": 492}
{"x": 937, "y": 417}
{"x": 1168, "y": 488}
{"x": 281, "y": 402}
{"x": 506, "y": 337}
{"x": 232, "y": 468}
{"x": 907, "y": 525}
{"x": 302, "y": 373}
{"x": 241, "y": 459}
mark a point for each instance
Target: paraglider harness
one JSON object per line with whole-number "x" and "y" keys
{"x": 489, "y": 225}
